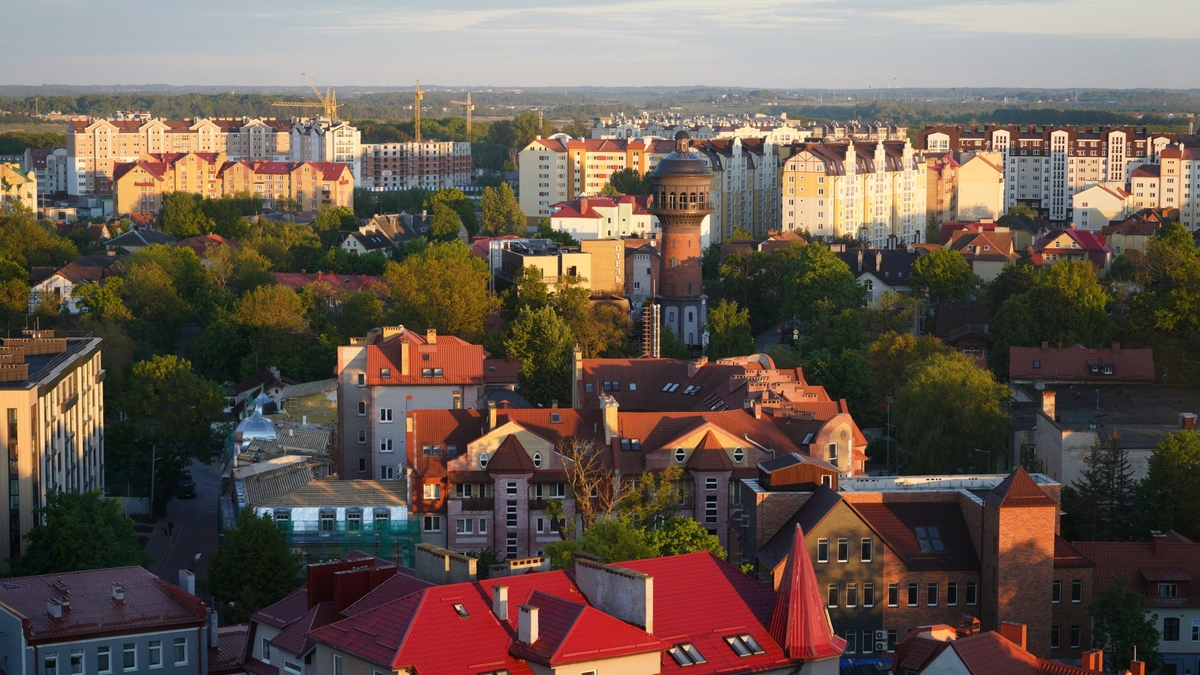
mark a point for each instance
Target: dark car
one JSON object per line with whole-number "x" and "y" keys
{"x": 185, "y": 487}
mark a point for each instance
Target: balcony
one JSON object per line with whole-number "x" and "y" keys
{"x": 477, "y": 504}
{"x": 1166, "y": 602}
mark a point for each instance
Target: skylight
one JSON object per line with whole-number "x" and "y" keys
{"x": 807, "y": 439}
{"x": 670, "y": 387}
{"x": 686, "y": 654}
{"x": 744, "y": 645}
{"x": 930, "y": 539}
{"x": 691, "y": 389}
{"x": 461, "y": 610}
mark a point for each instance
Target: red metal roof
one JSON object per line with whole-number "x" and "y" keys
{"x": 799, "y": 622}
{"x": 510, "y": 457}
{"x": 571, "y": 632}
{"x": 1075, "y": 363}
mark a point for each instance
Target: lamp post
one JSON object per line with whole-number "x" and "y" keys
{"x": 989, "y": 456}
{"x": 888, "y": 434}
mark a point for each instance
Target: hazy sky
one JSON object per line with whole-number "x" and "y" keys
{"x": 757, "y": 43}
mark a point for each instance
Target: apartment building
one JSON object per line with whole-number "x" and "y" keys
{"x": 941, "y": 188}
{"x": 18, "y": 186}
{"x": 121, "y": 619}
{"x": 50, "y": 165}
{"x": 1044, "y": 168}
{"x": 140, "y": 185}
{"x": 605, "y": 217}
{"x": 52, "y": 395}
{"x": 96, "y": 146}
{"x": 560, "y": 168}
{"x": 875, "y": 191}
{"x": 980, "y": 187}
{"x": 745, "y": 184}
{"x": 430, "y": 165}
{"x": 1179, "y": 184}
{"x": 598, "y": 264}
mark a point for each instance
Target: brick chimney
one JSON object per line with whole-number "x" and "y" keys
{"x": 404, "y": 356}
{"x": 695, "y": 364}
{"x": 491, "y": 415}
{"x": 758, "y": 409}
{"x": 500, "y": 602}
{"x": 527, "y": 625}
{"x": 1015, "y": 632}
{"x": 1160, "y": 543}
{"x": 1137, "y": 668}
{"x": 1049, "y": 404}
{"x": 431, "y": 336}
{"x": 1094, "y": 660}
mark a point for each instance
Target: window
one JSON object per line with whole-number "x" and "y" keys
{"x": 738, "y": 455}
{"x": 833, "y": 453}
{"x": 362, "y": 407}
{"x": 892, "y": 636}
{"x": 1076, "y": 636}
{"x": 1195, "y": 630}
{"x": 339, "y": 667}
{"x": 537, "y": 460}
{"x": 951, "y": 593}
{"x": 128, "y": 656}
{"x": 822, "y": 550}
{"x": 1056, "y": 591}
{"x": 852, "y": 641}
{"x": 155, "y": 651}
{"x": 104, "y": 659}
{"x": 510, "y": 546}
{"x": 362, "y": 379}
{"x": 180, "y": 655}
{"x": 827, "y": 481}
{"x": 710, "y": 483}
{"x": 834, "y": 592}
{"x": 843, "y": 550}
{"x": 555, "y": 418}
{"x": 1171, "y": 629}
{"x": 362, "y": 465}
{"x": 50, "y": 664}
{"x": 385, "y": 414}
{"x": 912, "y": 593}
{"x": 1037, "y": 363}
{"x": 1054, "y": 637}
{"x": 1168, "y": 590}
{"x": 291, "y": 667}
{"x": 930, "y": 539}
{"x": 510, "y": 515}
{"x": 931, "y": 594}
{"x": 385, "y": 372}
{"x": 385, "y": 445}
{"x": 852, "y": 595}
{"x": 710, "y": 509}
{"x": 432, "y": 491}
{"x": 864, "y": 550}
{"x": 972, "y": 593}
{"x": 433, "y": 523}
{"x": 362, "y": 435}
{"x": 483, "y": 526}
{"x": 483, "y": 460}
{"x": 77, "y": 662}
{"x": 686, "y": 654}
{"x": 893, "y": 595}
{"x": 327, "y": 521}
{"x": 385, "y": 473}
{"x": 680, "y": 455}
{"x": 463, "y": 525}
{"x": 744, "y": 645}
{"x": 354, "y": 520}
{"x": 868, "y": 595}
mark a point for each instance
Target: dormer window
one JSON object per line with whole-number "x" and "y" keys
{"x": 537, "y": 460}
{"x": 680, "y": 455}
{"x": 1037, "y": 364}
{"x": 385, "y": 372}
{"x": 555, "y": 418}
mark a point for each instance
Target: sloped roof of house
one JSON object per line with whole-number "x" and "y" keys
{"x": 446, "y": 361}
{"x": 925, "y": 535}
{"x": 1018, "y": 490}
{"x": 1076, "y": 362}
{"x": 988, "y": 246}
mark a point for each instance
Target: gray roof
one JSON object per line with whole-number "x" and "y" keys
{"x": 307, "y": 388}
{"x": 265, "y": 481}
{"x": 815, "y": 509}
{"x": 334, "y": 493}
{"x": 138, "y": 238}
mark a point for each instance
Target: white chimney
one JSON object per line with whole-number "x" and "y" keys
{"x": 214, "y": 634}
{"x": 527, "y": 629}
{"x": 118, "y": 593}
{"x": 54, "y": 608}
{"x": 187, "y": 581}
{"x": 500, "y": 602}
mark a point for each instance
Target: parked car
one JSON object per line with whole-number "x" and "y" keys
{"x": 185, "y": 487}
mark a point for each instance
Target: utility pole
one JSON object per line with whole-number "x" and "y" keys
{"x": 153, "y": 456}
{"x": 417, "y": 96}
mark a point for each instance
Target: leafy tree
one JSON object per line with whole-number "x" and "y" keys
{"x": 943, "y": 275}
{"x": 1167, "y": 496}
{"x": 1098, "y": 507}
{"x": 443, "y": 287}
{"x": 271, "y": 308}
{"x": 528, "y": 291}
{"x": 670, "y": 346}
{"x": 181, "y": 216}
{"x": 1120, "y": 626}
{"x": 628, "y": 182}
{"x": 577, "y": 129}
{"x": 238, "y": 269}
{"x": 729, "y": 331}
{"x": 456, "y": 199}
{"x": 1123, "y": 268}
{"x": 444, "y": 225}
{"x": 102, "y": 300}
{"x": 501, "y": 214}
{"x": 598, "y": 329}
{"x": 543, "y": 344}
{"x": 656, "y": 498}
{"x": 942, "y": 438}
{"x": 331, "y": 220}
{"x": 544, "y": 231}
{"x": 844, "y": 375}
{"x": 933, "y": 230}
{"x": 740, "y": 234}
{"x": 611, "y": 540}
{"x": 1016, "y": 278}
{"x": 823, "y": 279}
{"x": 710, "y": 265}
{"x": 1166, "y": 313}
{"x": 1022, "y": 210}
{"x": 892, "y": 356}
{"x": 29, "y": 243}
{"x": 679, "y": 534}
{"x": 82, "y": 531}
{"x": 253, "y": 568}
{"x": 891, "y": 312}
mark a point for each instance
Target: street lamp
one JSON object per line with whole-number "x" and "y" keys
{"x": 888, "y": 433}
{"x": 989, "y": 456}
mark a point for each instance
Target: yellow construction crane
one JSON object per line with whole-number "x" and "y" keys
{"x": 469, "y": 106}
{"x": 418, "y": 95}
{"x": 328, "y": 101}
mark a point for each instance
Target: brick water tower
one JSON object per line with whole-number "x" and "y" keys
{"x": 679, "y": 198}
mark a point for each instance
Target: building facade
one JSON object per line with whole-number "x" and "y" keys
{"x": 18, "y": 186}
{"x": 1095, "y": 207}
{"x": 320, "y": 140}
{"x": 980, "y": 188}
{"x": 745, "y": 185}
{"x": 560, "y": 168}
{"x": 431, "y": 165}
{"x": 604, "y": 217}
{"x": 51, "y": 167}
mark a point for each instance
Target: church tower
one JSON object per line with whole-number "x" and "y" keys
{"x": 679, "y": 198}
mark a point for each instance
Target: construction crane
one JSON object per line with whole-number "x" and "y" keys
{"x": 469, "y": 106}
{"x": 328, "y": 101}
{"x": 417, "y": 96}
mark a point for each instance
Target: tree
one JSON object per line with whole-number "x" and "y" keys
{"x": 943, "y": 275}
{"x": 670, "y": 346}
{"x": 82, "y": 531}
{"x": 679, "y": 534}
{"x": 443, "y": 287}
{"x": 598, "y": 329}
{"x": 729, "y": 331}
{"x": 822, "y": 279}
{"x": 445, "y": 225}
{"x": 655, "y": 498}
{"x": 1167, "y": 496}
{"x": 629, "y": 182}
{"x": 740, "y": 234}
{"x": 892, "y": 356}
{"x": 610, "y": 540}
{"x": 29, "y": 243}
{"x": 181, "y": 216}
{"x": 844, "y": 374}
{"x": 102, "y": 300}
{"x": 253, "y": 568}
{"x": 501, "y": 214}
{"x": 238, "y": 269}
{"x": 1098, "y": 507}
{"x": 1016, "y": 278}
{"x": 542, "y": 342}
{"x": 456, "y": 199}
{"x": 528, "y": 291}
{"x": 333, "y": 219}
{"x": 1120, "y": 626}
{"x": 942, "y": 438}
{"x": 271, "y": 308}
{"x": 544, "y": 231}
{"x": 891, "y": 312}
{"x": 1123, "y": 268}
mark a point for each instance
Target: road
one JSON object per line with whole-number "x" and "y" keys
{"x": 195, "y": 528}
{"x": 768, "y": 339}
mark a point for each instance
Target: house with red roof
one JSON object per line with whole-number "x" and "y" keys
{"x": 986, "y": 252}
{"x": 1079, "y": 364}
{"x": 1134, "y": 233}
{"x": 1072, "y": 244}
{"x": 335, "y": 287}
{"x": 61, "y": 284}
{"x": 201, "y": 243}
{"x": 940, "y": 649}
{"x": 605, "y": 217}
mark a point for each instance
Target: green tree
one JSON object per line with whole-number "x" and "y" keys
{"x": 628, "y": 182}
{"x": 729, "y": 331}
{"x": 941, "y": 438}
{"x": 181, "y": 216}
{"x": 710, "y": 265}
{"x": 544, "y": 231}
{"x": 844, "y": 375}
{"x": 253, "y": 568}
{"x": 1167, "y": 496}
{"x": 943, "y": 275}
{"x": 1123, "y": 268}
{"x": 462, "y": 205}
{"x": 82, "y": 531}
{"x": 445, "y": 225}
{"x": 29, "y": 243}
{"x": 1098, "y": 506}
{"x": 1016, "y": 278}
{"x": 1120, "y": 626}
{"x": 542, "y": 342}
{"x": 679, "y": 534}
{"x": 331, "y": 220}
{"x": 501, "y": 214}
{"x": 598, "y": 329}
{"x": 822, "y": 279}
{"x": 102, "y": 300}
{"x": 740, "y": 234}
{"x": 443, "y": 287}
{"x": 891, "y": 312}
{"x": 528, "y": 291}
{"x": 271, "y": 308}
{"x": 1022, "y": 210}
{"x": 670, "y": 346}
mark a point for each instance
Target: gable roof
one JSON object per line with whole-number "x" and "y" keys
{"x": 1165, "y": 555}
{"x": 1018, "y": 490}
{"x": 805, "y": 519}
{"x": 571, "y": 632}
{"x": 510, "y": 457}
{"x": 799, "y": 621}
{"x": 898, "y": 523}
{"x": 138, "y": 237}
{"x": 294, "y": 638}
{"x": 459, "y": 361}
{"x": 709, "y": 455}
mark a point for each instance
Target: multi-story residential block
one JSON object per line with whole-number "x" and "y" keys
{"x": 745, "y": 184}
{"x": 1179, "y": 184}
{"x": 560, "y": 168}
{"x": 141, "y": 185}
{"x": 604, "y": 217}
{"x": 431, "y": 165}
{"x": 1095, "y": 207}
{"x": 875, "y": 191}
{"x": 52, "y": 397}
{"x": 941, "y": 186}
{"x": 1144, "y": 186}
{"x": 980, "y": 188}
{"x": 643, "y": 267}
{"x": 893, "y": 554}
{"x": 51, "y": 167}
{"x": 320, "y": 140}
{"x": 1044, "y": 168}
{"x": 121, "y": 619}
{"x": 18, "y": 186}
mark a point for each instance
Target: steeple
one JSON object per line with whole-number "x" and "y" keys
{"x": 800, "y": 623}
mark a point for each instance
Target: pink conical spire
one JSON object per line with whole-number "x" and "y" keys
{"x": 800, "y": 623}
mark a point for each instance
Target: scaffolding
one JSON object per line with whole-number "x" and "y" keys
{"x": 394, "y": 540}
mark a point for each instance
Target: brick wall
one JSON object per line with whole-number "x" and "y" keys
{"x": 904, "y": 618}
{"x": 1067, "y": 612}
{"x": 1025, "y": 552}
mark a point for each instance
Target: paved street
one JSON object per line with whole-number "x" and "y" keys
{"x": 195, "y": 528}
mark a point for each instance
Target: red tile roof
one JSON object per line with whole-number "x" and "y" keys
{"x": 799, "y": 622}
{"x": 709, "y": 455}
{"x": 1141, "y": 562}
{"x": 293, "y": 638}
{"x": 293, "y": 606}
{"x": 1067, "y": 556}
{"x": 347, "y": 282}
{"x": 510, "y": 457}
{"x": 459, "y": 361}
{"x": 1087, "y": 245}
{"x": 898, "y": 523}
{"x": 950, "y": 229}
{"x": 201, "y": 243}
{"x": 230, "y": 654}
{"x": 571, "y": 632}
{"x": 1018, "y": 490}
{"x": 400, "y": 585}
{"x": 1075, "y": 363}
{"x": 501, "y": 371}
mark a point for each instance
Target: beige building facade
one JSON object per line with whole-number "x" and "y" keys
{"x": 18, "y": 186}
{"x": 980, "y": 187}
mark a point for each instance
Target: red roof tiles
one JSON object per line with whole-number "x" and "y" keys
{"x": 571, "y": 632}
{"x": 1018, "y": 490}
{"x": 1117, "y": 364}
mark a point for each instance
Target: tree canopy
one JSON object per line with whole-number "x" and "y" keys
{"x": 443, "y": 287}
{"x": 543, "y": 343}
{"x": 500, "y": 213}
{"x": 943, "y": 275}
{"x": 253, "y": 568}
{"x": 82, "y": 531}
{"x": 729, "y": 330}
{"x": 1120, "y": 626}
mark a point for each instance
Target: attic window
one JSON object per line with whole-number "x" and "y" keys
{"x": 425, "y": 357}
{"x": 680, "y": 455}
{"x": 555, "y": 418}
{"x": 461, "y": 610}
{"x": 427, "y": 372}
{"x": 1037, "y": 363}
{"x": 670, "y": 387}
{"x": 437, "y": 372}
{"x": 744, "y": 645}
{"x": 633, "y": 386}
{"x": 930, "y": 539}
{"x": 686, "y": 654}
{"x": 612, "y": 385}
{"x": 537, "y": 460}
{"x": 807, "y": 439}
{"x": 691, "y": 389}
{"x": 483, "y": 461}
{"x": 385, "y": 372}
{"x": 589, "y": 388}
{"x": 738, "y": 455}
{"x": 631, "y": 444}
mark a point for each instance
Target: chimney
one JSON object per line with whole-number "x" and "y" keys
{"x": 758, "y": 409}
{"x": 860, "y": 260}
{"x": 54, "y": 608}
{"x": 500, "y": 602}
{"x": 1094, "y": 660}
{"x": 423, "y": 214}
{"x": 695, "y": 365}
{"x": 610, "y": 407}
{"x": 118, "y": 594}
{"x": 878, "y": 260}
{"x": 624, "y": 593}
{"x": 554, "y": 404}
{"x": 1045, "y": 346}
{"x": 576, "y": 376}
{"x": 214, "y": 633}
{"x": 187, "y": 581}
{"x": 583, "y": 205}
{"x": 431, "y": 336}
{"x": 1015, "y": 632}
{"x": 1160, "y": 543}
{"x": 527, "y": 628}
{"x": 1116, "y": 347}
{"x": 1049, "y": 404}
{"x": 491, "y": 415}
{"x": 1137, "y": 668}
{"x": 404, "y": 356}
{"x": 1187, "y": 420}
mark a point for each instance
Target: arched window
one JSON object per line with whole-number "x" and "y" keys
{"x": 691, "y": 314}
{"x": 693, "y": 198}
{"x": 691, "y": 338}
{"x": 671, "y": 316}
{"x": 674, "y": 262}
{"x": 672, "y": 200}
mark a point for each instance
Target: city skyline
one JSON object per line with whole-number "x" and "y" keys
{"x": 761, "y": 43}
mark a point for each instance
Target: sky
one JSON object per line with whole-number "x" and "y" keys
{"x": 751, "y": 43}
